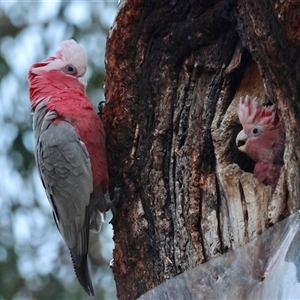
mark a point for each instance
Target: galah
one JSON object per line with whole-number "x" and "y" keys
{"x": 70, "y": 150}
{"x": 262, "y": 138}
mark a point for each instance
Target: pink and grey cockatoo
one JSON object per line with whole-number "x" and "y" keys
{"x": 262, "y": 138}
{"x": 70, "y": 150}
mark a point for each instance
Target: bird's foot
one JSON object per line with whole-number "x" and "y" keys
{"x": 100, "y": 108}
{"x": 111, "y": 204}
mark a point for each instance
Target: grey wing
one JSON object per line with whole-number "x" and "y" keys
{"x": 65, "y": 170}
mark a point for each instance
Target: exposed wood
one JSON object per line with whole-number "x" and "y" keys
{"x": 175, "y": 72}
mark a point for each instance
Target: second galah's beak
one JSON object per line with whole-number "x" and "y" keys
{"x": 241, "y": 140}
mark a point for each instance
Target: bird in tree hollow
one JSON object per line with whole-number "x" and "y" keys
{"x": 70, "y": 151}
{"x": 262, "y": 138}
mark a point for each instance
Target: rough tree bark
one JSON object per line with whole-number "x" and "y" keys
{"x": 174, "y": 73}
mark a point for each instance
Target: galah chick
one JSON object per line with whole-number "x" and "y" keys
{"x": 262, "y": 139}
{"x": 70, "y": 151}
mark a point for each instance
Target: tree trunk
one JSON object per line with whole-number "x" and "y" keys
{"x": 175, "y": 71}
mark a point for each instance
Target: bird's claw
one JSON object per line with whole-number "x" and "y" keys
{"x": 112, "y": 203}
{"x": 100, "y": 108}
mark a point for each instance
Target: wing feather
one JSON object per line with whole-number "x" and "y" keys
{"x": 65, "y": 170}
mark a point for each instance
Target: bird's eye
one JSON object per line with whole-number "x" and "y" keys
{"x": 255, "y": 130}
{"x": 70, "y": 69}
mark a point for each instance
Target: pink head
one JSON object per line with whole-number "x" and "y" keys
{"x": 57, "y": 72}
{"x": 260, "y": 129}
{"x": 250, "y": 112}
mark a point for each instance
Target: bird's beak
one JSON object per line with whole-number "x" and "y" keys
{"x": 241, "y": 140}
{"x": 83, "y": 81}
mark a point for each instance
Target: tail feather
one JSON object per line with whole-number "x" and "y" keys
{"x": 79, "y": 257}
{"x": 81, "y": 269}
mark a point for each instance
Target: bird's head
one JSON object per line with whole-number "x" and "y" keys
{"x": 65, "y": 69}
{"x": 259, "y": 125}
{"x": 71, "y": 59}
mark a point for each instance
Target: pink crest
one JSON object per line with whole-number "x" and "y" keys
{"x": 250, "y": 112}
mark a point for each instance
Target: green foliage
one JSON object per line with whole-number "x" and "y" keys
{"x": 22, "y": 158}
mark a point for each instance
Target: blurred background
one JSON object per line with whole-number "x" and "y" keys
{"x": 34, "y": 261}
